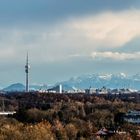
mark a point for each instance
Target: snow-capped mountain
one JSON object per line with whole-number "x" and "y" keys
{"x": 120, "y": 80}
{"x": 112, "y": 81}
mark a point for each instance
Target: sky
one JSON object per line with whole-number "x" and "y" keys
{"x": 68, "y": 38}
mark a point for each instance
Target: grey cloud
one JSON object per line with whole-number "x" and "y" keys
{"x": 44, "y": 43}
{"x": 38, "y": 11}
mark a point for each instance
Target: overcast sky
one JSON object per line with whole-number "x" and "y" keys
{"x": 68, "y": 38}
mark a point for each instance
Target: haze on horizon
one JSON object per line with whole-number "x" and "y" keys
{"x": 68, "y": 38}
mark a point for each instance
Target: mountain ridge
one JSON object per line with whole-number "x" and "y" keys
{"x": 112, "y": 81}
{"x": 120, "y": 80}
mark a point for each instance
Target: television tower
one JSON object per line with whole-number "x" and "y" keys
{"x": 27, "y": 74}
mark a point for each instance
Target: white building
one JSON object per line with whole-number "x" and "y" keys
{"x": 132, "y": 117}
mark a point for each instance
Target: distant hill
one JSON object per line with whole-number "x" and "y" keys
{"x": 15, "y": 87}
{"x": 21, "y": 87}
{"x": 35, "y": 87}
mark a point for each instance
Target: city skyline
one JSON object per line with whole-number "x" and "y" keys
{"x": 67, "y": 39}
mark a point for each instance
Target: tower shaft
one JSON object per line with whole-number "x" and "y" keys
{"x": 27, "y": 82}
{"x": 27, "y": 74}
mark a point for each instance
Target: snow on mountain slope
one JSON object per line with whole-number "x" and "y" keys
{"x": 120, "y": 80}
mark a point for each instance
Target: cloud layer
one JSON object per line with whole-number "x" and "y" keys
{"x": 76, "y": 36}
{"x": 115, "y": 56}
{"x": 110, "y": 29}
{"x": 73, "y": 42}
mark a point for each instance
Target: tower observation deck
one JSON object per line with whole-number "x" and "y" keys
{"x": 27, "y": 74}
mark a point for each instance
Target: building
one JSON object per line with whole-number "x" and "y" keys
{"x": 56, "y": 89}
{"x": 90, "y": 91}
{"x": 132, "y": 117}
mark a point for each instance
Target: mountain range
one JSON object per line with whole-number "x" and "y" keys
{"x": 112, "y": 81}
